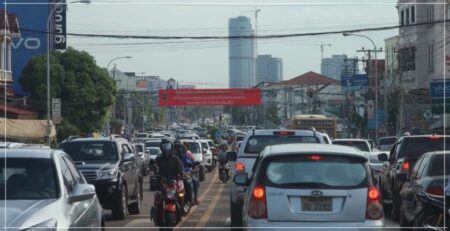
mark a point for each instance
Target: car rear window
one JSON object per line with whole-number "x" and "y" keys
{"x": 141, "y": 135}
{"x": 416, "y": 146}
{"x": 91, "y": 150}
{"x": 316, "y": 171}
{"x": 387, "y": 141}
{"x": 361, "y": 145}
{"x": 256, "y": 144}
{"x": 437, "y": 165}
{"x": 204, "y": 145}
{"x": 152, "y": 144}
{"x": 194, "y": 147}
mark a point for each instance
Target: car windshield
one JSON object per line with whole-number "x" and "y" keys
{"x": 154, "y": 151}
{"x": 211, "y": 144}
{"x": 361, "y": 145}
{"x": 139, "y": 148}
{"x": 194, "y": 147}
{"x": 142, "y": 135}
{"x": 387, "y": 141}
{"x": 91, "y": 150}
{"x": 416, "y": 146}
{"x": 28, "y": 179}
{"x": 256, "y": 144}
{"x": 316, "y": 171}
{"x": 152, "y": 144}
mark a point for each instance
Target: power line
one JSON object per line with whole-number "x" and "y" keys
{"x": 239, "y": 37}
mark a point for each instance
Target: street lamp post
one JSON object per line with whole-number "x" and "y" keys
{"x": 376, "y": 79}
{"x": 60, "y": 4}
{"x": 114, "y": 78}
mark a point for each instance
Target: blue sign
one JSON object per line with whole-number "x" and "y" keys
{"x": 32, "y": 19}
{"x": 437, "y": 89}
{"x": 357, "y": 82}
{"x": 372, "y": 123}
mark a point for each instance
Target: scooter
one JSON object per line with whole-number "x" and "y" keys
{"x": 224, "y": 169}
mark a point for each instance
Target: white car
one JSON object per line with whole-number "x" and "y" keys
{"x": 311, "y": 186}
{"x": 153, "y": 151}
{"x": 45, "y": 191}
{"x": 207, "y": 155}
{"x": 196, "y": 148}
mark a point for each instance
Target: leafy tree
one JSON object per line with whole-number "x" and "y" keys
{"x": 66, "y": 129}
{"x": 85, "y": 89}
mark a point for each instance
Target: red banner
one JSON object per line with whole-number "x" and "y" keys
{"x": 210, "y": 97}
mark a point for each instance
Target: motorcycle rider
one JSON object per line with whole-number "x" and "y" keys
{"x": 223, "y": 157}
{"x": 195, "y": 170}
{"x": 188, "y": 163}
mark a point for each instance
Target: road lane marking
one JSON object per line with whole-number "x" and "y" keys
{"x": 211, "y": 207}
{"x": 202, "y": 196}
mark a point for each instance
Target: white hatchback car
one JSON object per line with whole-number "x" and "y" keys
{"x": 311, "y": 186}
{"x": 45, "y": 191}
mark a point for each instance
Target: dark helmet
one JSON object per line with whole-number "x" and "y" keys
{"x": 166, "y": 146}
{"x": 178, "y": 145}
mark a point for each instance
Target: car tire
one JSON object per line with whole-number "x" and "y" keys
{"x": 135, "y": 208}
{"x": 120, "y": 207}
{"x": 236, "y": 218}
{"x": 202, "y": 174}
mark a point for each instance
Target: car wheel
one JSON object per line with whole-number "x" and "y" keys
{"x": 236, "y": 218}
{"x": 135, "y": 208}
{"x": 120, "y": 208}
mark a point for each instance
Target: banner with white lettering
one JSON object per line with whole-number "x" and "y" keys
{"x": 59, "y": 24}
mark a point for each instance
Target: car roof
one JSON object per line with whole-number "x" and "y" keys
{"x": 271, "y": 131}
{"x": 95, "y": 139}
{"x": 446, "y": 152}
{"x": 294, "y": 149}
{"x": 364, "y": 140}
{"x": 31, "y": 153}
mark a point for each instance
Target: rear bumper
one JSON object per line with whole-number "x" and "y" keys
{"x": 261, "y": 224}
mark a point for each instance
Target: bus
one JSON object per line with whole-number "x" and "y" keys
{"x": 320, "y": 123}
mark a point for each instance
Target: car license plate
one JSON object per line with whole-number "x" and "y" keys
{"x": 317, "y": 204}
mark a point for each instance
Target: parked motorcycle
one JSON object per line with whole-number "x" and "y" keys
{"x": 224, "y": 169}
{"x": 168, "y": 203}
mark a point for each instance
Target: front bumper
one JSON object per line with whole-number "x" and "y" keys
{"x": 262, "y": 224}
{"x": 107, "y": 191}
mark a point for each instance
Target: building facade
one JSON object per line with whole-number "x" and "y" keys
{"x": 268, "y": 69}
{"x": 337, "y": 65}
{"x": 241, "y": 53}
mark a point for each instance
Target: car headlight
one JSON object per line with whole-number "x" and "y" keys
{"x": 107, "y": 174}
{"x": 48, "y": 225}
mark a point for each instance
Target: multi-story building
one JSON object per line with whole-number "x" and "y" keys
{"x": 421, "y": 47}
{"x": 391, "y": 62}
{"x": 337, "y": 65}
{"x": 9, "y": 31}
{"x": 268, "y": 69}
{"x": 241, "y": 53}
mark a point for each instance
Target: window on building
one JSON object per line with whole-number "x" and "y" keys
{"x": 407, "y": 16}
{"x": 413, "y": 14}
{"x": 402, "y": 18}
{"x": 430, "y": 58}
{"x": 430, "y": 13}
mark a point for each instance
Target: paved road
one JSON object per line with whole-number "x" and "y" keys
{"x": 213, "y": 211}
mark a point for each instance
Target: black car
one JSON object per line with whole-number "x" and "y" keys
{"x": 110, "y": 165}
{"x": 396, "y": 170}
{"x": 428, "y": 179}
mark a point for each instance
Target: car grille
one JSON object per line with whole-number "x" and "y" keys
{"x": 89, "y": 175}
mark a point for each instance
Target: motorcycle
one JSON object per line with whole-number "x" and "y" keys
{"x": 432, "y": 212}
{"x": 224, "y": 169}
{"x": 167, "y": 208}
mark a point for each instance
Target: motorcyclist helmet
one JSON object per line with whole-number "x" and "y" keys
{"x": 166, "y": 147}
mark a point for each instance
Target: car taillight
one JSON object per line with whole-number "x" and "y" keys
{"x": 257, "y": 208}
{"x": 374, "y": 208}
{"x": 284, "y": 133}
{"x": 239, "y": 167}
{"x": 435, "y": 191}
{"x": 315, "y": 157}
{"x": 405, "y": 167}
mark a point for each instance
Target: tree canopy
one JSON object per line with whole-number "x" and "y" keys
{"x": 85, "y": 90}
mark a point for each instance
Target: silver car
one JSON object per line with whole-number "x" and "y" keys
{"x": 43, "y": 190}
{"x": 311, "y": 186}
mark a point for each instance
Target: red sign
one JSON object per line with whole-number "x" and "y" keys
{"x": 209, "y": 97}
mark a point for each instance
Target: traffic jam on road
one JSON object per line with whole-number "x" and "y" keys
{"x": 224, "y": 115}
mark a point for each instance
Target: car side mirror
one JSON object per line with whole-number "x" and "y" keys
{"x": 231, "y": 156}
{"x": 140, "y": 154}
{"x": 241, "y": 179}
{"x": 128, "y": 157}
{"x": 82, "y": 192}
{"x": 382, "y": 157}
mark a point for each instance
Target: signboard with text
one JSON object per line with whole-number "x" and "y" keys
{"x": 440, "y": 97}
{"x": 210, "y": 97}
{"x": 357, "y": 82}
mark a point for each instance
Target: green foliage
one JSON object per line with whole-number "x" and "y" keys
{"x": 115, "y": 125}
{"x": 66, "y": 129}
{"x": 85, "y": 89}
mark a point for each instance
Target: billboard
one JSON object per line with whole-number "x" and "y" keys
{"x": 32, "y": 20}
{"x": 59, "y": 30}
{"x": 357, "y": 82}
{"x": 440, "y": 97}
{"x": 210, "y": 97}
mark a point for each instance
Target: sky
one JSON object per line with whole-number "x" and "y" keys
{"x": 205, "y": 63}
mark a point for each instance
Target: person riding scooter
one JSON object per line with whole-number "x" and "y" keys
{"x": 223, "y": 161}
